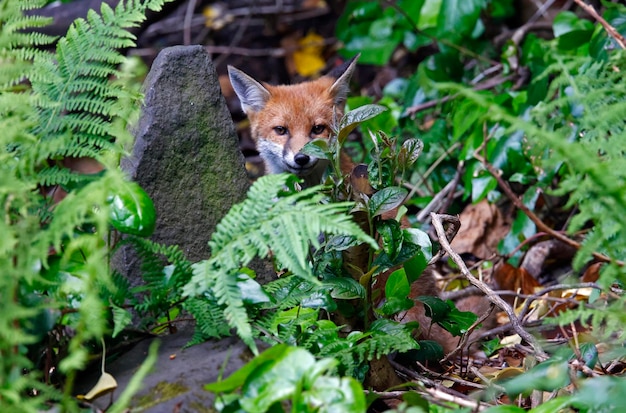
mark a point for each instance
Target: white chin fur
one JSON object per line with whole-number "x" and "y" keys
{"x": 275, "y": 163}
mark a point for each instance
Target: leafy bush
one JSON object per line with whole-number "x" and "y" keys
{"x": 55, "y": 277}
{"x": 549, "y": 127}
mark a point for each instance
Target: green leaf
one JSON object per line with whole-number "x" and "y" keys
{"x": 429, "y": 14}
{"x": 390, "y": 236}
{"x": 428, "y": 350}
{"x": 447, "y": 315}
{"x": 571, "y": 31}
{"x": 409, "y": 152}
{"x": 121, "y": 319}
{"x": 333, "y": 394}
{"x": 435, "y": 308}
{"x": 547, "y": 376}
{"x": 276, "y": 379}
{"x": 318, "y": 148}
{"x": 251, "y": 291}
{"x": 354, "y": 117}
{"x": 589, "y": 354}
{"x": 558, "y": 404}
{"x": 344, "y": 288}
{"x": 600, "y": 394}
{"x": 482, "y": 185}
{"x": 386, "y": 199}
{"x": 320, "y": 299}
{"x": 132, "y": 211}
{"x": 304, "y": 317}
{"x": 458, "y": 18}
{"x": 397, "y": 291}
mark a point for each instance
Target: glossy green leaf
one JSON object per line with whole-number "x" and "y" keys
{"x": 447, "y": 315}
{"x": 132, "y": 210}
{"x": 571, "y": 31}
{"x": 344, "y": 288}
{"x": 420, "y": 238}
{"x": 237, "y": 379}
{"x": 380, "y": 174}
{"x": 354, "y": 117}
{"x": 251, "y": 291}
{"x": 409, "y": 152}
{"x": 600, "y": 394}
{"x": 429, "y": 14}
{"x": 390, "y": 236}
{"x": 333, "y": 394}
{"x": 558, "y": 404}
{"x": 318, "y": 148}
{"x": 320, "y": 298}
{"x": 428, "y": 350}
{"x": 415, "y": 265}
{"x": 386, "y": 199}
{"x": 435, "y": 308}
{"x": 458, "y": 18}
{"x": 589, "y": 354}
{"x": 276, "y": 379}
{"x": 397, "y": 292}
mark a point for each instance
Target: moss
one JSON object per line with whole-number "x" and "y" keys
{"x": 161, "y": 392}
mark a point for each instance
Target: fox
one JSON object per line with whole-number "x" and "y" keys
{"x": 284, "y": 118}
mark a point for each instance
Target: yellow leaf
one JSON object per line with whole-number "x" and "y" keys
{"x": 510, "y": 341}
{"x": 217, "y": 16}
{"x": 308, "y": 59}
{"x": 106, "y": 384}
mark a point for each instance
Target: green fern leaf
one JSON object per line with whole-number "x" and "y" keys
{"x": 270, "y": 219}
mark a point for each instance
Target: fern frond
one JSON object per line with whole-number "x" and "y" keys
{"x": 270, "y": 219}
{"x": 18, "y": 48}
{"x": 77, "y": 96}
{"x": 209, "y": 318}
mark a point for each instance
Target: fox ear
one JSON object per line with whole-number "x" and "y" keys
{"x": 252, "y": 94}
{"x": 340, "y": 89}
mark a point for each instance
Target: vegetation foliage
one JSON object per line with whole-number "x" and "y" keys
{"x": 53, "y": 258}
{"x": 557, "y": 134}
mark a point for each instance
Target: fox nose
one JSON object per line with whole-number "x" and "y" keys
{"x": 301, "y": 159}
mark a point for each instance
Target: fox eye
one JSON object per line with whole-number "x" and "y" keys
{"x": 280, "y": 130}
{"x": 317, "y": 129}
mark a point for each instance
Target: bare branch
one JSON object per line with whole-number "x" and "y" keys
{"x": 436, "y": 220}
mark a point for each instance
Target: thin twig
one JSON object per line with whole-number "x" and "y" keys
{"x": 435, "y": 391}
{"x": 436, "y": 220}
{"x": 609, "y": 29}
{"x": 465, "y": 337}
{"x": 187, "y": 22}
{"x": 433, "y": 167}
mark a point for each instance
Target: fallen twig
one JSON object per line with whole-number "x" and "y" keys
{"x": 436, "y": 220}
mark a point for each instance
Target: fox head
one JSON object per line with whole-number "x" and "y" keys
{"x": 284, "y": 118}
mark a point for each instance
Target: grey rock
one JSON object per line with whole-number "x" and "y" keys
{"x": 175, "y": 383}
{"x": 186, "y": 153}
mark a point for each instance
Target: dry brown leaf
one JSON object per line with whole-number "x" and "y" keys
{"x": 482, "y": 228}
{"x": 592, "y": 273}
{"x": 508, "y": 277}
{"x": 106, "y": 384}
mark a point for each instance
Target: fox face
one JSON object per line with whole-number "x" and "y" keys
{"x": 284, "y": 118}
